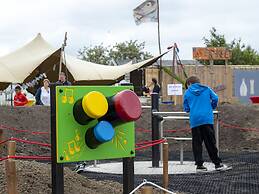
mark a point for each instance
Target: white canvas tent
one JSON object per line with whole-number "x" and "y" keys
{"x": 38, "y": 56}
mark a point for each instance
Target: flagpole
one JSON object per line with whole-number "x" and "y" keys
{"x": 159, "y": 46}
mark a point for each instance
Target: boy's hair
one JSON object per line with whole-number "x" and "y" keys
{"x": 18, "y": 88}
{"x": 192, "y": 80}
{"x": 154, "y": 80}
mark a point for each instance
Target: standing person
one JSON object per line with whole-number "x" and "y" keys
{"x": 156, "y": 88}
{"x": 62, "y": 80}
{"x": 199, "y": 101}
{"x": 43, "y": 94}
{"x": 19, "y": 99}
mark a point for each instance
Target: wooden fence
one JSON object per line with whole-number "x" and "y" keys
{"x": 218, "y": 77}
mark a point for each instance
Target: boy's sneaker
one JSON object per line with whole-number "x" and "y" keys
{"x": 221, "y": 167}
{"x": 201, "y": 168}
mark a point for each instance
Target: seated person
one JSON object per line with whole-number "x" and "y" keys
{"x": 19, "y": 98}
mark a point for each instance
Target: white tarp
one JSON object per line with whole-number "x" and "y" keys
{"x": 18, "y": 65}
{"x": 83, "y": 70}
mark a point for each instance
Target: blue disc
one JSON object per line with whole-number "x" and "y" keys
{"x": 104, "y": 131}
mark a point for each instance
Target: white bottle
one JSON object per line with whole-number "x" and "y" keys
{"x": 252, "y": 87}
{"x": 243, "y": 88}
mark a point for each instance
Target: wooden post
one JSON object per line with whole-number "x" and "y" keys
{"x": 225, "y": 82}
{"x": 10, "y": 169}
{"x": 174, "y": 70}
{"x": 211, "y": 73}
{"x": 11, "y": 147}
{"x": 147, "y": 190}
{"x": 165, "y": 165}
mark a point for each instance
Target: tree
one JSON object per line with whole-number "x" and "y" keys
{"x": 120, "y": 52}
{"x": 215, "y": 40}
{"x": 96, "y": 54}
{"x": 129, "y": 50}
{"x": 241, "y": 54}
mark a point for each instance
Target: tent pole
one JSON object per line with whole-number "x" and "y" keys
{"x": 62, "y": 52}
{"x": 60, "y": 61}
{"x": 11, "y": 94}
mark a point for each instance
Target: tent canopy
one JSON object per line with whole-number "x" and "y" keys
{"x": 38, "y": 56}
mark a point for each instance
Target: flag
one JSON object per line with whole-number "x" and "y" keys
{"x": 146, "y": 12}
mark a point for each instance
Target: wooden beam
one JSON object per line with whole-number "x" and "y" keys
{"x": 165, "y": 165}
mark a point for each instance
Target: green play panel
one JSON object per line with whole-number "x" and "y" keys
{"x": 71, "y": 146}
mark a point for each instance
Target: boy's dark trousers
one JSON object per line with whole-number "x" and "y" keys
{"x": 206, "y": 134}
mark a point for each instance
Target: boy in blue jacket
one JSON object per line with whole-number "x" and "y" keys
{"x": 199, "y": 102}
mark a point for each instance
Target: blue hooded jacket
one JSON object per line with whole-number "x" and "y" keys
{"x": 199, "y": 101}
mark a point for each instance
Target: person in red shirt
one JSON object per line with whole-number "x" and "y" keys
{"x": 19, "y": 98}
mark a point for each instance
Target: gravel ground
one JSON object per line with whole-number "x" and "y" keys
{"x": 238, "y": 147}
{"x": 242, "y": 179}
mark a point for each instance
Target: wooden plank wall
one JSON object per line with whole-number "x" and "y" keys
{"x": 209, "y": 75}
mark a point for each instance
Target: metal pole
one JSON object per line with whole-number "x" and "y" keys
{"x": 159, "y": 45}
{"x": 95, "y": 163}
{"x": 128, "y": 175}
{"x": 217, "y": 132}
{"x": 57, "y": 170}
{"x": 155, "y": 129}
{"x": 161, "y": 136}
{"x": 182, "y": 113}
{"x": 181, "y": 152}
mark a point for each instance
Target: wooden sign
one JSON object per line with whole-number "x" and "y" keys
{"x": 211, "y": 53}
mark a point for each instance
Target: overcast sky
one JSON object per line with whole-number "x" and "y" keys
{"x": 108, "y": 21}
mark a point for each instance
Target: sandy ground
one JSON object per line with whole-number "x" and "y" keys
{"x": 34, "y": 177}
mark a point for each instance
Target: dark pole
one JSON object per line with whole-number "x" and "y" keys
{"x": 56, "y": 169}
{"x": 11, "y": 94}
{"x": 155, "y": 129}
{"x": 128, "y": 175}
{"x": 159, "y": 46}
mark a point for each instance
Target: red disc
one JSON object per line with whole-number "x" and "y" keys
{"x": 127, "y": 105}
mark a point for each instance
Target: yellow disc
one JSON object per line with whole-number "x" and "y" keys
{"x": 95, "y": 104}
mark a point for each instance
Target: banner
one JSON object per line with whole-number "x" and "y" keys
{"x": 146, "y": 12}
